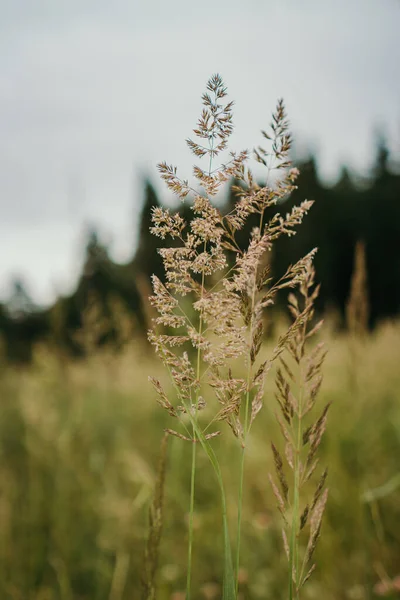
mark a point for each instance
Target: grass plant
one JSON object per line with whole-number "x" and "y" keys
{"x": 229, "y": 291}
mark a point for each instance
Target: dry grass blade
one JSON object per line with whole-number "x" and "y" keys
{"x": 315, "y": 527}
{"x": 279, "y": 471}
{"x": 155, "y": 528}
{"x": 278, "y": 496}
{"x": 357, "y": 308}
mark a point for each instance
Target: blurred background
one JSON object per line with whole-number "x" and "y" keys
{"x": 93, "y": 95}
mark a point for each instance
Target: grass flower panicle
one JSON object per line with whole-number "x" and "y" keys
{"x": 228, "y": 289}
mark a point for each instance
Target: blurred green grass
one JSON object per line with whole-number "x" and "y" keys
{"x": 79, "y": 445}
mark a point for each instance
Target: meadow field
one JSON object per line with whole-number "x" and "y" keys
{"x": 79, "y": 444}
{"x": 199, "y": 373}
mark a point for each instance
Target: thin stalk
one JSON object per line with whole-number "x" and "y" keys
{"x": 228, "y": 581}
{"x": 247, "y": 416}
{"x": 194, "y": 445}
{"x": 245, "y": 432}
{"x": 293, "y": 548}
{"x": 229, "y": 592}
{"x": 241, "y": 487}
{"x": 191, "y": 514}
{"x": 199, "y": 435}
{"x": 294, "y": 536}
{"x": 193, "y": 467}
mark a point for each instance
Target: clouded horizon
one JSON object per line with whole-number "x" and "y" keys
{"x": 93, "y": 94}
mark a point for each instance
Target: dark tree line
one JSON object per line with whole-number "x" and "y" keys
{"x": 342, "y": 215}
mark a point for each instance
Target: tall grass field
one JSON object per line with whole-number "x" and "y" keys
{"x": 79, "y": 450}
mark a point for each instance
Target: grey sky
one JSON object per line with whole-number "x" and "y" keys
{"x": 94, "y": 93}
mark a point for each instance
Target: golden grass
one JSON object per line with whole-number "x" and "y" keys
{"x": 79, "y": 451}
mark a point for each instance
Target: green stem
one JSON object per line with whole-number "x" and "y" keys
{"x": 294, "y": 537}
{"x": 293, "y": 549}
{"x": 245, "y": 431}
{"x": 239, "y": 521}
{"x": 229, "y": 592}
{"x": 191, "y": 514}
{"x": 241, "y": 487}
{"x": 229, "y": 580}
{"x": 193, "y": 468}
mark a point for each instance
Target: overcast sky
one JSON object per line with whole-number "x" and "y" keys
{"x": 94, "y": 93}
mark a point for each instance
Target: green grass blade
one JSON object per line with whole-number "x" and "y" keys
{"x": 229, "y": 587}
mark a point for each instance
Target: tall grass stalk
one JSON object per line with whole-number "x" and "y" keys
{"x": 283, "y": 150}
{"x": 228, "y": 287}
{"x": 191, "y": 518}
{"x": 153, "y": 540}
{"x": 193, "y": 466}
{"x": 298, "y": 382}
